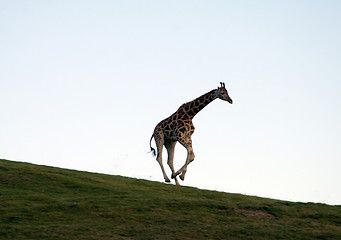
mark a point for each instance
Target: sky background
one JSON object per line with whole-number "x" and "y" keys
{"x": 83, "y": 84}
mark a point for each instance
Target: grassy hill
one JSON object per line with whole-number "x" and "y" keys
{"x": 38, "y": 202}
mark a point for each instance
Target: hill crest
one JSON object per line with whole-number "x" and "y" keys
{"x": 40, "y": 202}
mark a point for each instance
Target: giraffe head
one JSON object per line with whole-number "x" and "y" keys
{"x": 221, "y": 93}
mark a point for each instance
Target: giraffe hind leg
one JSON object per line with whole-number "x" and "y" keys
{"x": 159, "y": 140}
{"x": 170, "y": 145}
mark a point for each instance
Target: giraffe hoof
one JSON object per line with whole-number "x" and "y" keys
{"x": 167, "y": 180}
{"x": 182, "y": 177}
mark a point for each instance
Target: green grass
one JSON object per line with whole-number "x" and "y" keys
{"x": 38, "y": 202}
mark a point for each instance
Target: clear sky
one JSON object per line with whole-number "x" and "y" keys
{"x": 83, "y": 84}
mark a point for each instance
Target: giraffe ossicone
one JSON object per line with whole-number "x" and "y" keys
{"x": 179, "y": 128}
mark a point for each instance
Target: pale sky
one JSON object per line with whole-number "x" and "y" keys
{"x": 83, "y": 84}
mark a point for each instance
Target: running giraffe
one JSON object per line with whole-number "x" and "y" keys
{"x": 179, "y": 128}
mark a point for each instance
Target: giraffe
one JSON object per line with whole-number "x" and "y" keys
{"x": 179, "y": 128}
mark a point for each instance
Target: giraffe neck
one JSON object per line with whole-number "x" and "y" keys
{"x": 195, "y": 106}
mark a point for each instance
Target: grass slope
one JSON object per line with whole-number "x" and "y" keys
{"x": 38, "y": 202}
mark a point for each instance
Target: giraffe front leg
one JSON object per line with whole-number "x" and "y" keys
{"x": 184, "y": 168}
{"x": 187, "y": 143}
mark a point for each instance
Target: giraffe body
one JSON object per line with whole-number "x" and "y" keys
{"x": 179, "y": 128}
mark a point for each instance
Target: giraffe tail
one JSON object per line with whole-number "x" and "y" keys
{"x": 152, "y": 149}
